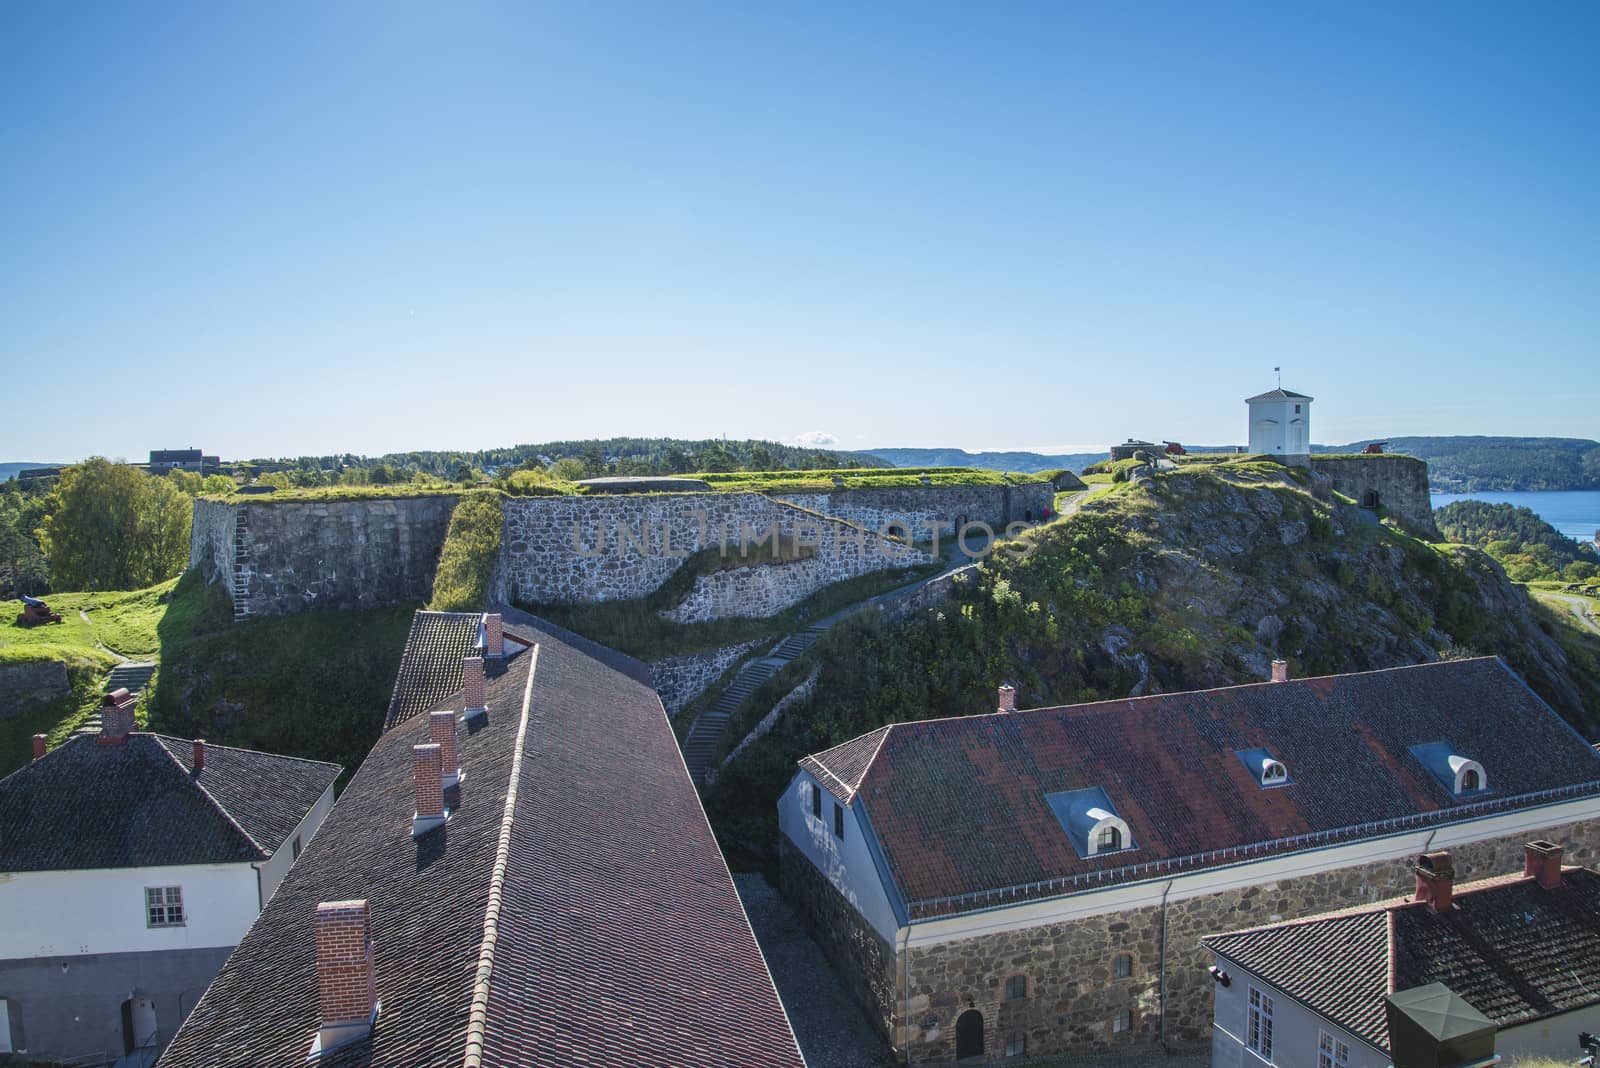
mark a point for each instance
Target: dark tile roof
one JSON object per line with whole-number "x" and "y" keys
{"x": 267, "y": 795}
{"x": 140, "y": 804}
{"x": 430, "y": 666}
{"x": 1515, "y": 951}
{"x": 1277, "y": 394}
{"x": 960, "y": 805}
{"x": 1336, "y": 966}
{"x": 619, "y": 939}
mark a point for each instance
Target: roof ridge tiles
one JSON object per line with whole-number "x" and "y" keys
{"x": 211, "y": 799}
{"x": 478, "y": 1014}
{"x": 241, "y": 749}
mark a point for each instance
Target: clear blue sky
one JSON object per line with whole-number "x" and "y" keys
{"x": 298, "y": 228}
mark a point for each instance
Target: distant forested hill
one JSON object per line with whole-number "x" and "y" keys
{"x": 1526, "y": 546}
{"x": 1471, "y": 464}
{"x": 1025, "y": 462}
{"x": 642, "y": 456}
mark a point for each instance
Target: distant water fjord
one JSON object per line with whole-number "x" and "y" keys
{"x": 1576, "y": 513}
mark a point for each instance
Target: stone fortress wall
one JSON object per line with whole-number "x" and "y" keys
{"x": 1073, "y": 994}
{"x": 1396, "y": 484}
{"x": 917, "y": 511}
{"x": 577, "y": 550}
{"x": 293, "y": 556}
{"x": 278, "y": 557}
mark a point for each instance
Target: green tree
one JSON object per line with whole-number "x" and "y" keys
{"x": 115, "y": 528}
{"x": 569, "y": 469}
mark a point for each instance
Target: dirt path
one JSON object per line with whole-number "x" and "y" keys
{"x": 1582, "y": 607}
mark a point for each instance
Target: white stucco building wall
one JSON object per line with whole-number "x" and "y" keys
{"x": 103, "y": 910}
{"x": 849, "y": 862}
{"x": 1280, "y": 425}
{"x": 1296, "y": 1030}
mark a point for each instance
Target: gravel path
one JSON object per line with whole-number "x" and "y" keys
{"x": 1582, "y": 607}
{"x": 832, "y": 1030}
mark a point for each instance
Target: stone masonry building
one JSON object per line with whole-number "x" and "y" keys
{"x": 1037, "y": 882}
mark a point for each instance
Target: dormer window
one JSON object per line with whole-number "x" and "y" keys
{"x": 1091, "y": 822}
{"x": 1459, "y": 774}
{"x": 1266, "y": 769}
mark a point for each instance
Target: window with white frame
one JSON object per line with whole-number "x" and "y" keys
{"x": 163, "y": 906}
{"x": 1122, "y": 1022}
{"x": 1259, "y": 1033}
{"x": 1331, "y": 1053}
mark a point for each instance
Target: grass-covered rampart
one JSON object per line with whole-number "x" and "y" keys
{"x": 467, "y": 559}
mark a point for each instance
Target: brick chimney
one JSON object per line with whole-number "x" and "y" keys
{"x": 442, "y": 732}
{"x": 1008, "y": 698}
{"x": 346, "y": 981}
{"x": 41, "y": 746}
{"x": 494, "y": 636}
{"x": 1436, "y": 876}
{"x": 472, "y": 686}
{"x": 1542, "y": 861}
{"x": 426, "y": 766}
{"x": 116, "y": 717}
{"x": 1280, "y": 671}
{"x": 199, "y": 754}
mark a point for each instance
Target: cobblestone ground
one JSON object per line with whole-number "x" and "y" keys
{"x": 832, "y": 1030}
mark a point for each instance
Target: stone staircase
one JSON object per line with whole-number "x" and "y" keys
{"x": 240, "y": 580}
{"x": 705, "y": 735}
{"x": 132, "y": 676}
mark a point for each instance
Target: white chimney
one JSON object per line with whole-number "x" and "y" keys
{"x": 346, "y": 982}
{"x": 1280, "y": 671}
{"x": 1008, "y": 698}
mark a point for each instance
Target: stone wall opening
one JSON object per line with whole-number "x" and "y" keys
{"x": 969, "y": 1034}
{"x": 1370, "y": 499}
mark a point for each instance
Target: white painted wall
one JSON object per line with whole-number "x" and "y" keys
{"x": 62, "y": 913}
{"x": 1078, "y": 905}
{"x": 848, "y": 865}
{"x": 1295, "y": 1030}
{"x": 1278, "y": 430}
{"x": 273, "y": 871}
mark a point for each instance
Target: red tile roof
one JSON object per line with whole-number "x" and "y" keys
{"x": 961, "y": 812}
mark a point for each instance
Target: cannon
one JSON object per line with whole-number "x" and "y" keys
{"x": 1375, "y": 449}
{"x": 1174, "y": 449}
{"x": 35, "y": 612}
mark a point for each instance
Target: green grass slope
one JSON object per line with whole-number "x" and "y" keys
{"x": 314, "y": 685}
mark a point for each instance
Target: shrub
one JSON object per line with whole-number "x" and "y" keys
{"x": 466, "y": 561}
